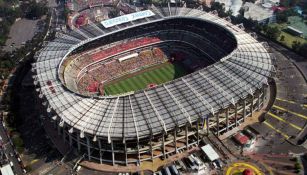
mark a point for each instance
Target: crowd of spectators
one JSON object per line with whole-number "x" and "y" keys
{"x": 92, "y": 3}
{"x": 124, "y": 47}
{"x": 101, "y": 64}
{"x": 94, "y": 79}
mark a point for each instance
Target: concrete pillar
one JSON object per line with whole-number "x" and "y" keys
{"x": 252, "y": 106}
{"x": 163, "y": 146}
{"x": 64, "y": 133}
{"x": 100, "y": 154}
{"x": 113, "y": 155}
{"x": 151, "y": 150}
{"x": 88, "y": 147}
{"x": 197, "y": 128}
{"x": 70, "y": 139}
{"x": 54, "y": 124}
{"x": 236, "y": 115}
{"x": 58, "y": 127}
{"x": 126, "y": 155}
{"x": 186, "y": 136}
{"x": 78, "y": 141}
{"x": 207, "y": 125}
{"x": 175, "y": 140}
{"x": 264, "y": 94}
{"x": 139, "y": 155}
{"x": 244, "y": 109}
{"x": 227, "y": 119}
{"x": 217, "y": 124}
{"x": 258, "y": 101}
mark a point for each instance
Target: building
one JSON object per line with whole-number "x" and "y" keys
{"x": 151, "y": 123}
{"x": 258, "y": 13}
{"x": 233, "y": 5}
{"x": 6, "y": 170}
{"x": 210, "y": 152}
{"x": 294, "y": 31}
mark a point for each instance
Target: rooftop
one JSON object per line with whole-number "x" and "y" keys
{"x": 256, "y": 12}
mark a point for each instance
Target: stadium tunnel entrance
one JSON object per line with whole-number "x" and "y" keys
{"x": 144, "y": 56}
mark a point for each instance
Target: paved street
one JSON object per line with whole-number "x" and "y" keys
{"x": 8, "y": 149}
{"x": 286, "y": 122}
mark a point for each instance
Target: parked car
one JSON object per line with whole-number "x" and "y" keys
{"x": 174, "y": 170}
{"x": 166, "y": 171}
{"x": 219, "y": 163}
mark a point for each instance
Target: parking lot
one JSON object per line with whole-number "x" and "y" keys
{"x": 20, "y": 32}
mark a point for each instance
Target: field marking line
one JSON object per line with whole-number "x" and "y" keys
{"x": 277, "y": 130}
{"x": 283, "y": 120}
{"x": 292, "y": 102}
{"x": 294, "y": 113}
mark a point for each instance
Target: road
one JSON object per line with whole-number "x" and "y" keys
{"x": 298, "y": 60}
{"x": 286, "y": 122}
{"x": 7, "y": 146}
{"x": 8, "y": 149}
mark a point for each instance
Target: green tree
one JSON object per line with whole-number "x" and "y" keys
{"x": 36, "y": 10}
{"x": 281, "y": 17}
{"x": 303, "y": 49}
{"x": 252, "y": 1}
{"x": 297, "y": 166}
{"x": 282, "y": 38}
{"x": 219, "y": 7}
{"x": 296, "y": 45}
{"x": 272, "y": 32}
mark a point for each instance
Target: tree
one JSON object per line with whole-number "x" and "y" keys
{"x": 282, "y": 38}
{"x": 281, "y": 17}
{"x": 36, "y": 10}
{"x": 252, "y": 1}
{"x": 114, "y": 12}
{"x": 296, "y": 46}
{"x": 272, "y": 32}
{"x": 303, "y": 49}
{"x": 297, "y": 167}
{"x": 219, "y": 7}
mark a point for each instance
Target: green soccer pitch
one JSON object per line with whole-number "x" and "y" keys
{"x": 136, "y": 81}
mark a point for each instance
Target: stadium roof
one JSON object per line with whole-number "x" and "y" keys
{"x": 295, "y": 30}
{"x": 127, "y": 18}
{"x": 160, "y": 109}
{"x": 257, "y": 12}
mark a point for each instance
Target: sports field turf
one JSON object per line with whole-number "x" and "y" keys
{"x": 157, "y": 75}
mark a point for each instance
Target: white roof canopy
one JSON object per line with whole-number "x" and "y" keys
{"x": 210, "y": 152}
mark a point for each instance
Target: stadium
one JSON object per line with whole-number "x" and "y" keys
{"x": 149, "y": 84}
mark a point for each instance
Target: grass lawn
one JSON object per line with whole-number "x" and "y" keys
{"x": 288, "y": 40}
{"x": 139, "y": 80}
{"x": 18, "y": 142}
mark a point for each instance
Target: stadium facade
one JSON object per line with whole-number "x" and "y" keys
{"x": 160, "y": 121}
